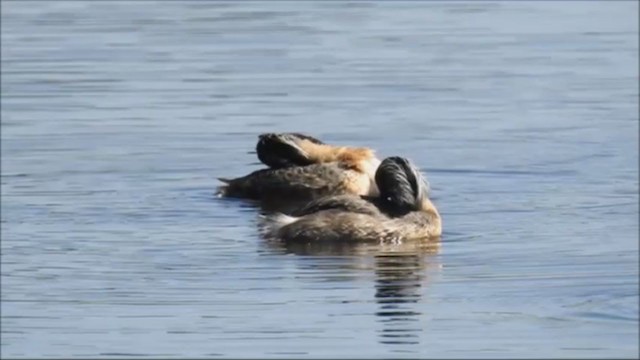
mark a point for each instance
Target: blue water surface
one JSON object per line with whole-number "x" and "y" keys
{"x": 117, "y": 117}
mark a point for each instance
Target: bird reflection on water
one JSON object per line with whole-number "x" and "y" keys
{"x": 399, "y": 279}
{"x": 401, "y": 273}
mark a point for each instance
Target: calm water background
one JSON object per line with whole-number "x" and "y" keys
{"x": 118, "y": 116}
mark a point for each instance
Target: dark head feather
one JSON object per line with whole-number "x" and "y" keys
{"x": 282, "y": 150}
{"x": 305, "y": 137}
{"x": 401, "y": 185}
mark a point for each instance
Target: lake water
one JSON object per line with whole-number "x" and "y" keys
{"x": 117, "y": 117}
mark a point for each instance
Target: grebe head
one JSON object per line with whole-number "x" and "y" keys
{"x": 284, "y": 150}
{"x": 402, "y": 188}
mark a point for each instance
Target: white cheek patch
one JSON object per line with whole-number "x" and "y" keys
{"x": 374, "y": 163}
{"x": 372, "y": 166}
{"x": 373, "y": 188}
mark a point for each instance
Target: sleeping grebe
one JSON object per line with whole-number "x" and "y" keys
{"x": 401, "y": 212}
{"x": 302, "y": 168}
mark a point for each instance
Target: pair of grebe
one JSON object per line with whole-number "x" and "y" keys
{"x": 337, "y": 193}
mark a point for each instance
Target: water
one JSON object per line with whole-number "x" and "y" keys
{"x": 117, "y": 118}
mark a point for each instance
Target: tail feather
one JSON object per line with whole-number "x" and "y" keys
{"x": 222, "y": 191}
{"x": 271, "y": 224}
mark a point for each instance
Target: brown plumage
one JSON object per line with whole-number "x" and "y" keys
{"x": 302, "y": 168}
{"x": 402, "y": 212}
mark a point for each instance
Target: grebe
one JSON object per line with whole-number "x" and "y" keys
{"x": 402, "y": 211}
{"x": 302, "y": 169}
